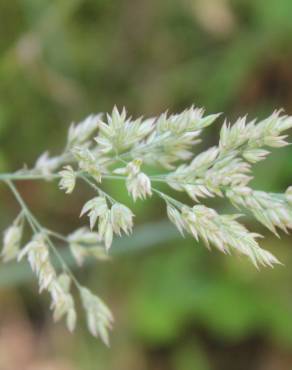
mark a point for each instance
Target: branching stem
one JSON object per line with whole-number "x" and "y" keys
{"x": 38, "y": 228}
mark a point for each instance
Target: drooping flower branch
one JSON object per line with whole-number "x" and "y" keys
{"x": 116, "y": 147}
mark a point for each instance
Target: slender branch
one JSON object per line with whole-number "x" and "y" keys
{"x": 56, "y": 235}
{"x": 37, "y": 227}
{"x": 27, "y": 176}
{"x": 97, "y": 188}
{"x": 22, "y": 205}
{"x": 168, "y": 198}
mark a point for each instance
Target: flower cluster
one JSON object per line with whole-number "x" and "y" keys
{"x": 272, "y": 210}
{"x": 68, "y": 179}
{"x": 229, "y": 165}
{"x": 37, "y": 253}
{"x": 59, "y": 286}
{"x": 121, "y": 133}
{"x": 110, "y": 220}
{"x": 114, "y": 147}
{"x": 222, "y": 231}
{"x": 99, "y": 318}
{"x": 173, "y": 137}
{"x": 138, "y": 183}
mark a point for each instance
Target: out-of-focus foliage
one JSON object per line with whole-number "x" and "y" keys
{"x": 177, "y": 307}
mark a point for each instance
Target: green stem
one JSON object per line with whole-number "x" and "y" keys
{"x": 37, "y": 228}
{"x": 169, "y": 199}
{"x": 56, "y": 235}
{"x": 60, "y": 258}
{"x": 97, "y": 188}
{"x": 22, "y": 204}
{"x": 27, "y": 176}
{"x": 30, "y": 176}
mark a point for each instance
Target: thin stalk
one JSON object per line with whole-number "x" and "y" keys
{"x": 37, "y": 227}
{"x": 22, "y": 204}
{"x": 56, "y": 235}
{"x": 98, "y": 189}
{"x": 23, "y": 177}
{"x": 169, "y": 199}
{"x": 27, "y": 176}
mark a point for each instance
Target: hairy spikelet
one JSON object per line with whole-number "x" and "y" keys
{"x": 111, "y": 220}
{"x": 68, "y": 179}
{"x": 12, "y": 239}
{"x": 80, "y": 133}
{"x": 99, "y": 317}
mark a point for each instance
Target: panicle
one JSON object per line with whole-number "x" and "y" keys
{"x": 168, "y": 140}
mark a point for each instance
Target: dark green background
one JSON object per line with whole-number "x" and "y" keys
{"x": 177, "y": 306}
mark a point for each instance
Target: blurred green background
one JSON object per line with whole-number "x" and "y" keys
{"x": 177, "y": 306}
